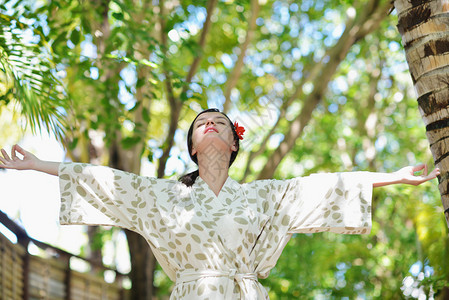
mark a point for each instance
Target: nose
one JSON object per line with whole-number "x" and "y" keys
{"x": 210, "y": 122}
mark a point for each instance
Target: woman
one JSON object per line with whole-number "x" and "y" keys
{"x": 213, "y": 236}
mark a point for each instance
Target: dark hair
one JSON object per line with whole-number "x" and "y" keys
{"x": 189, "y": 179}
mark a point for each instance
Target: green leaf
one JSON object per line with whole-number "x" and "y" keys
{"x": 129, "y": 142}
{"x": 118, "y": 16}
{"x": 61, "y": 38}
{"x": 75, "y": 37}
{"x": 146, "y": 115}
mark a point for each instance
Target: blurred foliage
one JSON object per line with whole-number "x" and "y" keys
{"x": 367, "y": 119}
{"x": 10, "y": 123}
{"x": 27, "y": 77}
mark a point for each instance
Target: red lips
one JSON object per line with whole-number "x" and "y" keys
{"x": 210, "y": 128}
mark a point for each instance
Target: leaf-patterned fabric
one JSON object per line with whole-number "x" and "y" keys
{"x": 215, "y": 247}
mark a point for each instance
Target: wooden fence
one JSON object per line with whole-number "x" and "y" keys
{"x": 25, "y": 276}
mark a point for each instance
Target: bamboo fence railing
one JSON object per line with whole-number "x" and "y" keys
{"x": 25, "y": 276}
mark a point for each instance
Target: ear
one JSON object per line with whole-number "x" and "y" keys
{"x": 233, "y": 147}
{"x": 193, "y": 151}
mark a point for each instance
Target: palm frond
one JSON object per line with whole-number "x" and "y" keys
{"x": 29, "y": 78}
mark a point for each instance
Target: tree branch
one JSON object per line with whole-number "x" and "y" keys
{"x": 234, "y": 76}
{"x": 202, "y": 42}
{"x": 172, "y": 100}
{"x": 298, "y": 94}
{"x": 368, "y": 125}
{"x": 141, "y": 51}
{"x": 364, "y": 24}
{"x": 175, "y": 102}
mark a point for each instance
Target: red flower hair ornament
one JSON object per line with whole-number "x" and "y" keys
{"x": 240, "y": 130}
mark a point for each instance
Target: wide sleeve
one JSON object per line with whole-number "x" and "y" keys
{"x": 97, "y": 195}
{"x": 335, "y": 202}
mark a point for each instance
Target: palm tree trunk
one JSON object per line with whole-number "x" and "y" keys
{"x": 424, "y": 27}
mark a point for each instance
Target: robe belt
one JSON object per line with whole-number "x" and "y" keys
{"x": 192, "y": 275}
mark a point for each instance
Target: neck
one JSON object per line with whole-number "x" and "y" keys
{"x": 214, "y": 171}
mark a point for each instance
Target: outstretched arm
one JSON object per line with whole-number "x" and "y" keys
{"x": 28, "y": 162}
{"x": 404, "y": 176}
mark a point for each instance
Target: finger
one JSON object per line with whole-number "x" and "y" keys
{"x": 419, "y": 167}
{"x": 432, "y": 175}
{"x": 5, "y": 155}
{"x": 20, "y": 150}
{"x": 13, "y": 153}
{"x": 4, "y": 163}
{"x": 435, "y": 172}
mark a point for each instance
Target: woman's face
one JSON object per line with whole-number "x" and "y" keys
{"x": 212, "y": 131}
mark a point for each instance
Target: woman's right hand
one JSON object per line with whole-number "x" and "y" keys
{"x": 27, "y": 162}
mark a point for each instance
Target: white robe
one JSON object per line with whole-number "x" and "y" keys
{"x": 215, "y": 247}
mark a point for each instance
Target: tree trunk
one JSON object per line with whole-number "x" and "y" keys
{"x": 143, "y": 261}
{"x": 143, "y": 264}
{"x": 424, "y": 27}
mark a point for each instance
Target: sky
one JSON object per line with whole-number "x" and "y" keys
{"x": 31, "y": 197}
{"x": 32, "y": 200}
